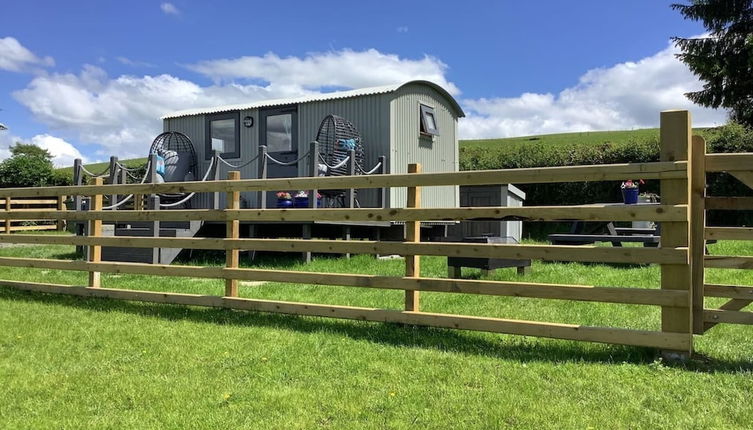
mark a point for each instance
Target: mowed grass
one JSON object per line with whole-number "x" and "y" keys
{"x": 68, "y": 362}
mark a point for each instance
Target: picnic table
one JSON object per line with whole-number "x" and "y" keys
{"x": 583, "y": 234}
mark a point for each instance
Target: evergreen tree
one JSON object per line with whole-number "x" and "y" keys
{"x": 723, "y": 59}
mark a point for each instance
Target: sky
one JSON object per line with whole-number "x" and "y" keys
{"x": 91, "y": 78}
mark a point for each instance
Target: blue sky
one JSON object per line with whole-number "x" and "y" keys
{"x": 96, "y": 75}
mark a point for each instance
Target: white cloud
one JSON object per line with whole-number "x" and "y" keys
{"x": 63, "y": 153}
{"x": 625, "y": 96}
{"x": 133, "y": 63}
{"x": 169, "y": 8}
{"x": 346, "y": 68}
{"x": 14, "y": 57}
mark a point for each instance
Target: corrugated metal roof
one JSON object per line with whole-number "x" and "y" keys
{"x": 312, "y": 98}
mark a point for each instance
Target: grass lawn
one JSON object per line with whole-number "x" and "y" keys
{"x": 68, "y": 362}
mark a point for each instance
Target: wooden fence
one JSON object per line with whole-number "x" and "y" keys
{"x": 35, "y": 205}
{"x": 680, "y": 295}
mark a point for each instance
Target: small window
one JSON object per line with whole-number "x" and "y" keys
{"x": 428, "y": 121}
{"x": 223, "y": 134}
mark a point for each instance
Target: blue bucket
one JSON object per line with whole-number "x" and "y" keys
{"x": 630, "y": 196}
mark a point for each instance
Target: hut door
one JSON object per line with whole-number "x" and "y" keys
{"x": 278, "y": 129}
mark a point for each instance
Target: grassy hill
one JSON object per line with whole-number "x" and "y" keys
{"x": 99, "y": 167}
{"x": 570, "y": 139}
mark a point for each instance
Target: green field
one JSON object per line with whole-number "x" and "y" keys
{"x": 571, "y": 139}
{"x": 68, "y": 362}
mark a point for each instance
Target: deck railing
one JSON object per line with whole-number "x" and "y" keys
{"x": 674, "y": 296}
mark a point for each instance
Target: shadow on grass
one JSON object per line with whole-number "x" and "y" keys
{"x": 512, "y": 348}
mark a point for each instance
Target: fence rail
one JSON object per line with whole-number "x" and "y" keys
{"x": 680, "y": 170}
{"x": 40, "y": 206}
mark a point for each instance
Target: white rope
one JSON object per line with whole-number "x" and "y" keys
{"x": 378, "y": 165}
{"x": 101, "y": 175}
{"x": 338, "y": 165}
{"x": 128, "y": 169}
{"x": 130, "y": 196}
{"x": 239, "y": 166}
{"x": 289, "y": 163}
{"x": 190, "y": 196}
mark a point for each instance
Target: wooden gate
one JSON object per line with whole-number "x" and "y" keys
{"x": 737, "y": 297}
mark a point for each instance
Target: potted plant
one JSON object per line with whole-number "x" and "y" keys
{"x": 284, "y": 200}
{"x": 630, "y": 191}
{"x": 301, "y": 199}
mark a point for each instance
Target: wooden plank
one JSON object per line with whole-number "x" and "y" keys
{"x": 716, "y": 316}
{"x": 413, "y": 235}
{"x": 729, "y": 162}
{"x": 631, "y": 255}
{"x": 728, "y": 262}
{"x": 675, "y": 140}
{"x": 33, "y": 227}
{"x": 61, "y": 207}
{"x": 729, "y": 203}
{"x": 232, "y": 231}
{"x": 95, "y": 230}
{"x": 729, "y": 233}
{"x": 697, "y": 225}
{"x": 733, "y": 305}
{"x": 639, "y": 296}
{"x": 652, "y": 339}
{"x": 7, "y": 220}
{"x": 729, "y": 291}
{"x": 35, "y": 201}
{"x": 745, "y": 177}
{"x": 604, "y": 172}
{"x": 607, "y": 212}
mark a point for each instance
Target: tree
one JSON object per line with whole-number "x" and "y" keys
{"x": 30, "y": 150}
{"x": 28, "y": 166}
{"x": 724, "y": 58}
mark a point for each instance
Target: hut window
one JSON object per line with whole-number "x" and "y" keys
{"x": 428, "y": 121}
{"x": 280, "y": 133}
{"x": 223, "y": 134}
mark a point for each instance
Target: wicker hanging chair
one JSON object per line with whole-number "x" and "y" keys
{"x": 336, "y": 137}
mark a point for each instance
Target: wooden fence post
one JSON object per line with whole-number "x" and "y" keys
{"x": 697, "y": 240}
{"x": 382, "y": 199}
{"x": 153, "y": 202}
{"x": 413, "y": 234}
{"x": 232, "y": 232}
{"x": 61, "y": 207}
{"x": 95, "y": 230}
{"x": 262, "y": 160}
{"x": 112, "y": 179}
{"x": 8, "y": 203}
{"x": 675, "y": 140}
{"x": 77, "y": 180}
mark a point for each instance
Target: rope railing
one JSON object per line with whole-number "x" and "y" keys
{"x": 239, "y": 166}
{"x": 289, "y": 163}
{"x": 128, "y": 169}
{"x": 336, "y": 166}
{"x": 100, "y": 175}
{"x": 130, "y": 196}
{"x": 190, "y": 196}
{"x": 374, "y": 169}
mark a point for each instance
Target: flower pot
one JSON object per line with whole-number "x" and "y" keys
{"x": 630, "y": 196}
{"x": 284, "y": 203}
{"x": 303, "y": 202}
